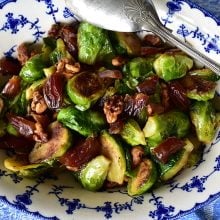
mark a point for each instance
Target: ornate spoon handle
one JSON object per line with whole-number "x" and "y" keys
{"x": 148, "y": 20}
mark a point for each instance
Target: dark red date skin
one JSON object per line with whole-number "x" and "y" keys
{"x": 53, "y": 91}
{"x": 81, "y": 154}
{"x": 167, "y": 148}
{"x": 9, "y": 66}
{"x": 12, "y": 87}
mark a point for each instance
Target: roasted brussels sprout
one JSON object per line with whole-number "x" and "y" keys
{"x": 132, "y": 133}
{"x": 176, "y": 163}
{"x": 126, "y": 43}
{"x": 21, "y": 166}
{"x": 144, "y": 178}
{"x": 93, "y": 175}
{"x": 84, "y": 89}
{"x": 172, "y": 66}
{"x": 137, "y": 70}
{"x": 93, "y": 44}
{"x": 86, "y": 123}
{"x": 60, "y": 52}
{"x": 59, "y": 142}
{"x": 206, "y": 74}
{"x": 33, "y": 68}
{"x": 203, "y": 117}
{"x": 112, "y": 149}
{"x": 159, "y": 127}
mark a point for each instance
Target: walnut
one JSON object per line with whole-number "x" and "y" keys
{"x": 118, "y": 61}
{"x": 113, "y": 107}
{"x": 137, "y": 153}
{"x": 38, "y": 103}
{"x": 39, "y": 134}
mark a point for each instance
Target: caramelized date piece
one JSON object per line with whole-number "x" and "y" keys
{"x": 9, "y": 66}
{"x": 12, "y": 87}
{"x": 23, "y": 126}
{"x": 53, "y": 91}
{"x": 178, "y": 95}
{"x": 20, "y": 145}
{"x": 116, "y": 127}
{"x": 168, "y": 147}
{"x": 81, "y": 154}
{"x": 152, "y": 40}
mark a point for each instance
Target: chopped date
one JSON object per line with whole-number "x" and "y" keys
{"x": 152, "y": 40}
{"x": 81, "y": 154}
{"x": 12, "y": 87}
{"x": 167, "y": 148}
{"x": 53, "y": 91}
{"x": 116, "y": 127}
{"x": 178, "y": 95}
{"x": 9, "y": 66}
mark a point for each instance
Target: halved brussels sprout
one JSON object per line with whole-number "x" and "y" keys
{"x": 34, "y": 87}
{"x": 112, "y": 149}
{"x": 93, "y": 44}
{"x": 60, "y": 141}
{"x": 172, "y": 66}
{"x": 84, "y": 89}
{"x": 160, "y": 127}
{"x": 203, "y": 117}
{"x": 86, "y": 123}
{"x": 93, "y": 175}
{"x": 206, "y": 74}
{"x": 132, "y": 133}
{"x": 144, "y": 178}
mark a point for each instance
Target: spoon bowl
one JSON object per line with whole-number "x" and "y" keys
{"x": 133, "y": 16}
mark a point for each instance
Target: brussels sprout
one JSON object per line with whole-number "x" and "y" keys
{"x": 137, "y": 70}
{"x": 159, "y": 127}
{"x": 112, "y": 149}
{"x": 203, "y": 117}
{"x": 93, "y": 44}
{"x": 132, "y": 133}
{"x": 84, "y": 89}
{"x": 21, "y": 166}
{"x": 86, "y": 123}
{"x": 126, "y": 43}
{"x": 60, "y": 141}
{"x": 49, "y": 71}
{"x": 144, "y": 178}
{"x": 34, "y": 87}
{"x": 176, "y": 163}
{"x": 172, "y": 66}
{"x": 206, "y": 74}
{"x": 12, "y": 130}
{"x": 49, "y": 44}
{"x": 59, "y": 52}
{"x": 95, "y": 172}
{"x": 33, "y": 68}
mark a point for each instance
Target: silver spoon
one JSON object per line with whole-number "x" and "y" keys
{"x": 132, "y": 16}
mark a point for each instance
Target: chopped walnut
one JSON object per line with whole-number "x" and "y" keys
{"x": 38, "y": 103}
{"x": 39, "y": 134}
{"x": 118, "y": 61}
{"x": 68, "y": 68}
{"x": 113, "y": 107}
{"x": 137, "y": 153}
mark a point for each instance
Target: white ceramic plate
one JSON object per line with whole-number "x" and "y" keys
{"x": 61, "y": 198}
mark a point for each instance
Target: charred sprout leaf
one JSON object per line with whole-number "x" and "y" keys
{"x": 112, "y": 149}
{"x": 23, "y": 168}
{"x": 177, "y": 162}
{"x": 126, "y": 43}
{"x": 144, "y": 178}
{"x": 84, "y": 89}
{"x": 93, "y": 44}
{"x": 132, "y": 133}
{"x": 206, "y": 74}
{"x": 172, "y": 66}
{"x": 60, "y": 52}
{"x": 137, "y": 70}
{"x": 59, "y": 142}
{"x": 84, "y": 122}
{"x": 81, "y": 153}
{"x": 160, "y": 127}
{"x": 95, "y": 172}
{"x": 33, "y": 68}
{"x": 203, "y": 117}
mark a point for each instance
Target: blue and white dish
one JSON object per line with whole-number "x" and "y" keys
{"x": 59, "y": 197}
